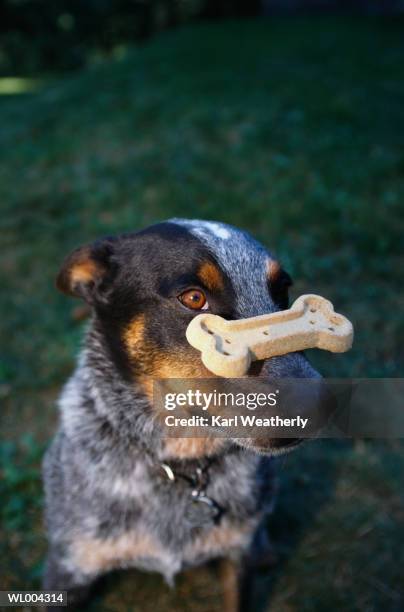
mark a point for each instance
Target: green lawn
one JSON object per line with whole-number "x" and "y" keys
{"x": 293, "y": 130}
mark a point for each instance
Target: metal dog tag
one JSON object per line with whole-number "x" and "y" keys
{"x": 203, "y": 509}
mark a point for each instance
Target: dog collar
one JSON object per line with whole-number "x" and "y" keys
{"x": 203, "y": 508}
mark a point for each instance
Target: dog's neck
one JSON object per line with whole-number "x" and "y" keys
{"x": 98, "y": 394}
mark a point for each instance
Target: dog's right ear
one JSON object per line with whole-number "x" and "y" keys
{"x": 88, "y": 272}
{"x": 279, "y": 282}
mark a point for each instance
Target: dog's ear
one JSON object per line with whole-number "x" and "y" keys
{"x": 88, "y": 272}
{"x": 279, "y": 282}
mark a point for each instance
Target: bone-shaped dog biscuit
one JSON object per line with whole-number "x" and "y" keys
{"x": 228, "y": 347}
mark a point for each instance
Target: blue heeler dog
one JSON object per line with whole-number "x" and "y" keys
{"x": 118, "y": 493}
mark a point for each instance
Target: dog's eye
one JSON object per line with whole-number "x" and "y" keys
{"x": 194, "y": 299}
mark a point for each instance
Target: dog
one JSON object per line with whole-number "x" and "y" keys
{"x": 118, "y": 493}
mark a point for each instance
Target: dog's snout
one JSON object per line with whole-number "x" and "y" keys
{"x": 292, "y": 365}
{"x": 303, "y": 390}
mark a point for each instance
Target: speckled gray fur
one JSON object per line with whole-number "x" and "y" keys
{"x": 243, "y": 258}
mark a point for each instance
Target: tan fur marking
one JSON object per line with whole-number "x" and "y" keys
{"x": 210, "y": 276}
{"x": 181, "y": 365}
{"x": 229, "y": 577}
{"x": 273, "y": 270}
{"x": 78, "y": 267}
{"x": 156, "y": 365}
{"x": 220, "y": 539}
{"x": 134, "y": 334}
{"x": 84, "y": 272}
{"x": 184, "y": 364}
{"x": 93, "y": 555}
{"x": 186, "y": 448}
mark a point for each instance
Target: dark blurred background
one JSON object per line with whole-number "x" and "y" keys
{"x": 69, "y": 34}
{"x": 285, "y": 118}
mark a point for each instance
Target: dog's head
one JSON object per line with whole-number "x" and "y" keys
{"x": 146, "y": 287}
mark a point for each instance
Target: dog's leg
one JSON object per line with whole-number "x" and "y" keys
{"x": 237, "y": 585}
{"x": 229, "y": 579}
{"x": 58, "y": 576}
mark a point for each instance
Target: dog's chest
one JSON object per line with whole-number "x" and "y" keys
{"x": 169, "y": 531}
{"x": 146, "y": 520}
{"x": 175, "y": 500}
{"x": 144, "y": 550}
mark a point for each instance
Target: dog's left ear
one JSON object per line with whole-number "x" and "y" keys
{"x": 279, "y": 282}
{"x": 88, "y": 272}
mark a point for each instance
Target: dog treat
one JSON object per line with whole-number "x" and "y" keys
{"x": 229, "y": 347}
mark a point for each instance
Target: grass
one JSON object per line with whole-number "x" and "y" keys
{"x": 291, "y": 129}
